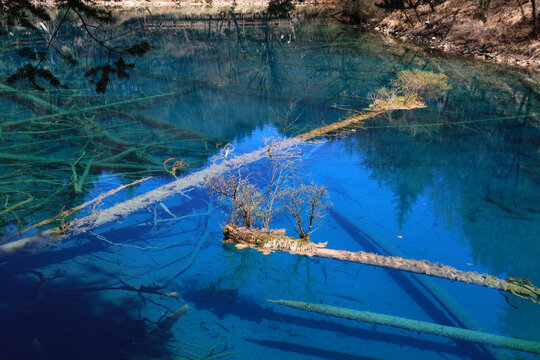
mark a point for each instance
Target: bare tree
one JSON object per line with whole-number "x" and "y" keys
{"x": 245, "y": 198}
{"x": 253, "y": 206}
{"x": 305, "y": 204}
{"x": 83, "y": 13}
{"x": 284, "y": 165}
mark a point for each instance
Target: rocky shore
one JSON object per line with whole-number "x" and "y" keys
{"x": 504, "y": 56}
{"x": 502, "y": 34}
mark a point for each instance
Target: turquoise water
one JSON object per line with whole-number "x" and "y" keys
{"x": 454, "y": 183}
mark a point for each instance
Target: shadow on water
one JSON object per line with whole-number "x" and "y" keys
{"x": 308, "y": 350}
{"x": 141, "y": 232}
{"x": 405, "y": 282}
{"x": 42, "y": 322}
{"x": 43, "y": 259}
{"x": 226, "y": 302}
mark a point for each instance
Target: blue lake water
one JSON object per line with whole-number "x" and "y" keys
{"x": 455, "y": 183}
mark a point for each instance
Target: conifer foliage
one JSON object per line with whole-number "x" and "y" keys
{"x": 26, "y": 14}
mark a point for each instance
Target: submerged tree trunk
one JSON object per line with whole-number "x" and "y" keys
{"x": 415, "y": 325}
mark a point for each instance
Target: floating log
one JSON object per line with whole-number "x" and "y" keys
{"x": 415, "y": 325}
{"x": 269, "y": 241}
{"x": 362, "y": 116}
{"x": 95, "y": 201}
{"x": 339, "y": 125}
{"x": 371, "y": 242}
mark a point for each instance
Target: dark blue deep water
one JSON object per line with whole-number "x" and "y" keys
{"x": 457, "y": 183}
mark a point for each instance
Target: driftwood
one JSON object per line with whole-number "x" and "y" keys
{"x": 167, "y": 321}
{"x": 28, "y": 99}
{"x": 95, "y": 201}
{"x": 75, "y": 143}
{"x": 415, "y": 325}
{"x": 45, "y": 282}
{"x": 163, "y": 326}
{"x": 143, "y": 289}
{"x": 13, "y": 207}
{"x": 270, "y": 241}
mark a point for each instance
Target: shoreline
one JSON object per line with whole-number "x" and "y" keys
{"x": 500, "y": 33}
{"x": 387, "y": 25}
{"x": 447, "y": 47}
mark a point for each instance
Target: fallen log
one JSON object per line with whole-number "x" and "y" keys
{"x": 269, "y": 241}
{"x": 320, "y": 131}
{"x": 95, "y": 201}
{"x": 121, "y": 210}
{"x": 77, "y": 226}
{"x": 372, "y": 243}
{"x": 380, "y": 245}
{"x": 28, "y": 100}
{"x": 362, "y": 116}
{"x": 415, "y": 325}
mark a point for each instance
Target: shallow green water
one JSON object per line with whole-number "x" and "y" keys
{"x": 456, "y": 182}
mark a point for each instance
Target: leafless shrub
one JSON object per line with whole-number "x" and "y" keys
{"x": 284, "y": 166}
{"x": 245, "y": 198}
{"x": 288, "y": 122}
{"x": 306, "y": 204}
{"x": 253, "y": 206}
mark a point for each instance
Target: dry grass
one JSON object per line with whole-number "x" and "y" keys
{"x": 502, "y": 34}
{"x": 387, "y": 100}
{"x": 408, "y": 90}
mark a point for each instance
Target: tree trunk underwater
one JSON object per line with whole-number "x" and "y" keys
{"x": 415, "y": 325}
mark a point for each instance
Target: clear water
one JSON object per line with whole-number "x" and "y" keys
{"x": 455, "y": 183}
